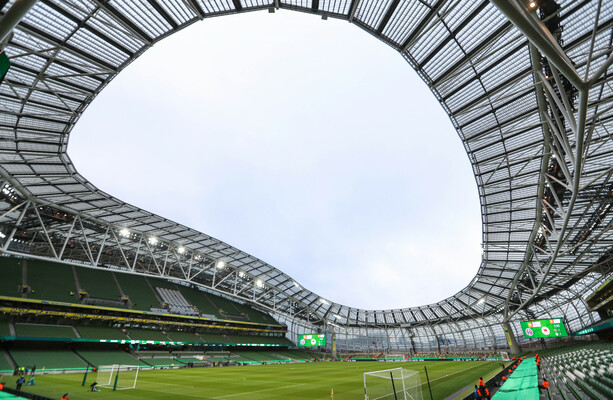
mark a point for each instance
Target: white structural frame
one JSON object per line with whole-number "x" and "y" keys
{"x": 532, "y": 104}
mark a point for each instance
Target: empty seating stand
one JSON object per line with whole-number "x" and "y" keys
{"x": 11, "y": 271}
{"x": 45, "y": 331}
{"x": 177, "y": 304}
{"x": 580, "y": 372}
{"x": 51, "y": 281}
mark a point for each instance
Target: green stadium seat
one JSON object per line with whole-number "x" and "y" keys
{"x": 11, "y": 272}
{"x": 51, "y": 281}
{"x": 51, "y": 331}
{"x": 101, "y": 332}
{"x": 99, "y": 284}
{"x": 48, "y": 359}
{"x": 138, "y": 291}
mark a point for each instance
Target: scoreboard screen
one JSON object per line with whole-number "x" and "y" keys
{"x": 544, "y": 328}
{"x": 312, "y": 340}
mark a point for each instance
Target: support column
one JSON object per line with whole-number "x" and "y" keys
{"x": 333, "y": 345}
{"x": 508, "y": 332}
{"x": 13, "y": 16}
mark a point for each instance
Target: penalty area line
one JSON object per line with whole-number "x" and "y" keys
{"x": 261, "y": 390}
{"x": 446, "y": 376}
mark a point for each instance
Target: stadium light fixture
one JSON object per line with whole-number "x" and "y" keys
{"x": 153, "y": 240}
{"x": 532, "y": 5}
{"x": 241, "y": 274}
{"x": 220, "y": 264}
{"x": 181, "y": 250}
{"x": 259, "y": 283}
{"x": 125, "y": 232}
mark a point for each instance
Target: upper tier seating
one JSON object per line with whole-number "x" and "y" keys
{"x": 137, "y": 288}
{"x": 177, "y": 304}
{"x": 56, "y": 282}
{"x": 11, "y": 271}
{"x": 35, "y": 330}
{"x": 100, "y": 332}
{"x": 200, "y": 300}
{"x": 98, "y": 283}
{"x": 146, "y": 334}
{"x": 4, "y": 329}
{"x": 51, "y": 281}
{"x": 184, "y": 337}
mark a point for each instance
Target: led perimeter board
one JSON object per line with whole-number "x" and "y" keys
{"x": 312, "y": 340}
{"x": 543, "y": 328}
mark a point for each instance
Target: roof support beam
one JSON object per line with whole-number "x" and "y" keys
{"x": 12, "y": 17}
{"x": 540, "y": 36}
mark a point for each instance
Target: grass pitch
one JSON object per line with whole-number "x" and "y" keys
{"x": 293, "y": 381}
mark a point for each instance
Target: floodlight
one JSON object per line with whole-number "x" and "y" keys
{"x": 220, "y": 264}
{"x": 259, "y": 283}
{"x": 181, "y": 250}
{"x": 532, "y": 4}
{"x": 124, "y": 232}
{"x": 241, "y": 274}
{"x": 153, "y": 240}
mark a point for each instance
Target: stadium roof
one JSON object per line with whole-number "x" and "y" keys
{"x": 537, "y": 132}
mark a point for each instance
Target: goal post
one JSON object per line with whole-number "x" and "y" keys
{"x": 392, "y": 384}
{"x": 117, "y": 376}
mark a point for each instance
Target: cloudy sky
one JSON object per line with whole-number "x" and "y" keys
{"x": 307, "y": 143}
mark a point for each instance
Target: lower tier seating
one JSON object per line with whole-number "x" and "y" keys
{"x": 48, "y": 359}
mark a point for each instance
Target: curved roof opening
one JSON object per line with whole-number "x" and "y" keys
{"x": 303, "y": 142}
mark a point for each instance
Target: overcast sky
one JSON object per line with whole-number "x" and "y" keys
{"x": 306, "y": 143}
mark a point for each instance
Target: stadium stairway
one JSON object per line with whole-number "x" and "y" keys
{"x": 522, "y": 384}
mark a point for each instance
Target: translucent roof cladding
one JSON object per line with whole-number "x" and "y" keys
{"x": 477, "y": 64}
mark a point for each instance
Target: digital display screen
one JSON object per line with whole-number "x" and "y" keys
{"x": 312, "y": 340}
{"x": 544, "y": 328}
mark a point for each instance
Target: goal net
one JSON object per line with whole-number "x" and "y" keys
{"x": 117, "y": 376}
{"x": 392, "y": 384}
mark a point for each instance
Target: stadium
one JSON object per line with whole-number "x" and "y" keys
{"x": 94, "y": 289}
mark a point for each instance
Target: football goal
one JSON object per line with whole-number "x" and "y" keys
{"x": 117, "y": 376}
{"x": 392, "y": 384}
